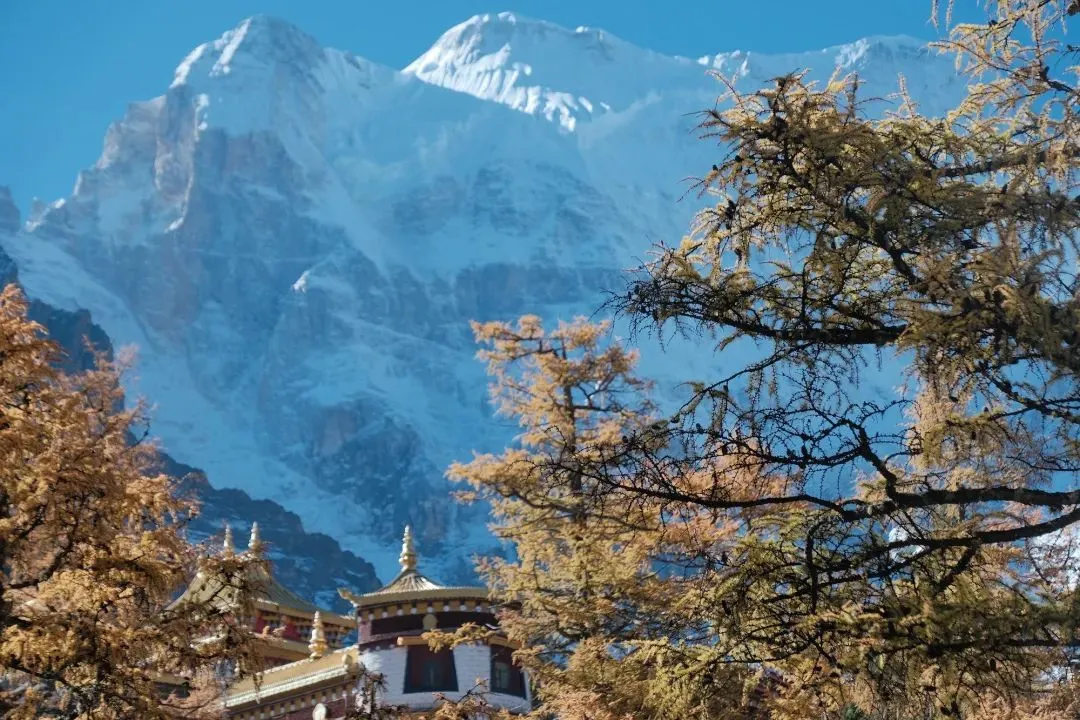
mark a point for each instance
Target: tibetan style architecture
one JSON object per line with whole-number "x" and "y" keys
{"x": 325, "y": 681}
{"x": 283, "y": 620}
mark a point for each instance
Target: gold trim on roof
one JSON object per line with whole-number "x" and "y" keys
{"x": 317, "y": 645}
{"x": 266, "y": 592}
{"x": 376, "y": 599}
{"x": 284, "y": 678}
{"x": 410, "y": 586}
{"x": 273, "y": 643}
{"x": 328, "y": 618}
{"x": 424, "y": 606}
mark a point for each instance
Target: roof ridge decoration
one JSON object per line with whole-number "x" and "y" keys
{"x": 228, "y": 549}
{"x": 255, "y": 543}
{"x": 410, "y": 583}
{"x": 317, "y": 645}
{"x": 408, "y": 552}
{"x": 266, "y": 590}
{"x": 279, "y": 679}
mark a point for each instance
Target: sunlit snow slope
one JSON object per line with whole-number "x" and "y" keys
{"x": 296, "y": 238}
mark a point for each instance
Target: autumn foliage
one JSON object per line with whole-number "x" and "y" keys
{"x": 92, "y": 550}
{"x": 870, "y": 511}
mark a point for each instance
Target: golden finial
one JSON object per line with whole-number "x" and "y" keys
{"x": 255, "y": 543}
{"x": 317, "y": 645}
{"x": 408, "y": 554}
{"x": 227, "y": 547}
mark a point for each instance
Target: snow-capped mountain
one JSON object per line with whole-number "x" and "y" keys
{"x": 312, "y": 563}
{"x": 295, "y": 239}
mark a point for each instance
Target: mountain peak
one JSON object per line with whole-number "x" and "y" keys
{"x": 540, "y": 67}
{"x": 510, "y": 25}
{"x": 267, "y": 75}
{"x": 507, "y": 19}
{"x": 884, "y": 50}
{"x": 258, "y": 40}
{"x": 296, "y": 240}
{"x": 492, "y": 37}
{"x": 573, "y": 76}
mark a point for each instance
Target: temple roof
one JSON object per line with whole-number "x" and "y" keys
{"x": 268, "y": 592}
{"x": 408, "y": 581}
{"x": 286, "y": 678}
{"x": 411, "y": 584}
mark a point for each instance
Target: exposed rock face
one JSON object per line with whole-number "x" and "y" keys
{"x": 296, "y": 238}
{"x": 311, "y": 563}
{"x": 9, "y": 225}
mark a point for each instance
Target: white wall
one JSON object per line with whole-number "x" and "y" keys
{"x": 471, "y": 661}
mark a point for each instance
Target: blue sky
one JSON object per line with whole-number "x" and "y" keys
{"x": 69, "y": 67}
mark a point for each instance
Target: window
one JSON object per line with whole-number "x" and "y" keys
{"x": 427, "y": 671}
{"x": 397, "y": 624}
{"x": 505, "y": 678}
{"x": 290, "y": 632}
{"x": 412, "y": 622}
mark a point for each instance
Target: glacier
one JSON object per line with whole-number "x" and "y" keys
{"x": 294, "y": 238}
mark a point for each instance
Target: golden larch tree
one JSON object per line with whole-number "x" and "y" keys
{"x": 92, "y": 550}
{"x": 597, "y": 592}
{"x": 871, "y": 513}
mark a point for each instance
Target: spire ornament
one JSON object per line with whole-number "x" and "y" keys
{"x": 228, "y": 548}
{"x": 318, "y": 645}
{"x": 408, "y": 553}
{"x": 255, "y": 543}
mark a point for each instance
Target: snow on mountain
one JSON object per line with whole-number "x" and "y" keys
{"x": 313, "y": 564}
{"x": 296, "y": 238}
{"x": 541, "y": 68}
{"x": 574, "y": 76}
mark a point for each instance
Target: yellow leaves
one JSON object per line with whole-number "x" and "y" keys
{"x": 587, "y": 550}
{"x": 803, "y": 525}
{"x": 89, "y": 539}
{"x": 550, "y": 380}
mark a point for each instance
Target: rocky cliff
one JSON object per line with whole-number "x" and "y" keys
{"x": 295, "y": 239}
{"x": 313, "y": 564}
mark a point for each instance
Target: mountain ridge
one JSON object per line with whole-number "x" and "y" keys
{"x": 295, "y": 238}
{"x": 487, "y": 55}
{"x": 310, "y": 562}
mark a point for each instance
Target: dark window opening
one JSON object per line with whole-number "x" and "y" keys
{"x": 415, "y": 622}
{"x": 427, "y": 671}
{"x": 453, "y": 619}
{"x": 396, "y": 624}
{"x": 505, "y": 676}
